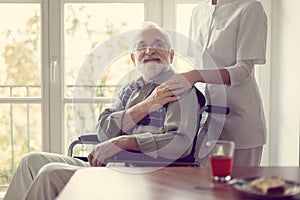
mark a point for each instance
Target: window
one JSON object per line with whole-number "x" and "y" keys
{"x": 43, "y": 46}
{"x": 86, "y": 27}
{"x": 44, "y": 49}
{"x": 21, "y": 85}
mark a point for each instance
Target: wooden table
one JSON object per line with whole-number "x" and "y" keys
{"x": 169, "y": 183}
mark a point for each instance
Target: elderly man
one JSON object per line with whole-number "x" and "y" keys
{"x": 146, "y": 118}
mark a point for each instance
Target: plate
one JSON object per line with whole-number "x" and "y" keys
{"x": 244, "y": 186}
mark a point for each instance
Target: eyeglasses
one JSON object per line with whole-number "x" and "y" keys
{"x": 157, "y": 44}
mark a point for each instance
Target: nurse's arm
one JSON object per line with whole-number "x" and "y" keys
{"x": 232, "y": 75}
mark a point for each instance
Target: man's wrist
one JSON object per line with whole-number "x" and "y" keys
{"x": 145, "y": 105}
{"x": 127, "y": 142}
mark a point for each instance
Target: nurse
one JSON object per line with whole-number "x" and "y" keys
{"x": 232, "y": 35}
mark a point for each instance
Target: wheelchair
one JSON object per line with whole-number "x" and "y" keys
{"x": 138, "y": 159}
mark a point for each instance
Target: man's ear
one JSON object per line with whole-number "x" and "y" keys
{"x": 133, "y": 58}
{"x": 171, "y": 56}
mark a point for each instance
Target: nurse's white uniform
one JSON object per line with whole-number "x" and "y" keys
{"x": 233, "y": 34}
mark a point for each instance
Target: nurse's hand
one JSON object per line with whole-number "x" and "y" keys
{"x": 180, "y": 83}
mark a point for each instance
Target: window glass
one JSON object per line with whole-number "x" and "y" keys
{"x": 183, "y": 14}
{"x": 86, "y": 26}
{"x": 89, "y": 25}
{"x": 20, "y": 55}
{"x": 20, "y": 81}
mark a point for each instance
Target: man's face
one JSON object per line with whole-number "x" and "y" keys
{"x": 152, "y": 53}
{"x": 152, "y": 46}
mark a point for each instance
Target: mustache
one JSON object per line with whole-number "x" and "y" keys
{"x": 151, "y": 58}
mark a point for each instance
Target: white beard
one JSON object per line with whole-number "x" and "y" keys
{"x": 151, "y": 70}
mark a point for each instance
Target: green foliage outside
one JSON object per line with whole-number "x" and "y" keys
{"x": 20, "y": 122}
{"x": 21, "y": 130}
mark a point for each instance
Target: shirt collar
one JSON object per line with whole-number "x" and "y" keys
{"x": 219, "y": 2}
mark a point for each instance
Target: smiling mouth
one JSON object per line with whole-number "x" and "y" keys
{"x": 157, "y": 60}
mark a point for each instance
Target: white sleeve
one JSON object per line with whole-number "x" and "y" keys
{"x": 240, "y": 72}
{"x": 252, "y": 37}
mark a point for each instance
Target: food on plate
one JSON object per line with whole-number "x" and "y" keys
{"x": 269, "y": 185}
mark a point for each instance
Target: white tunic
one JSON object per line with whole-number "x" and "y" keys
{"x": 233, "y": 34}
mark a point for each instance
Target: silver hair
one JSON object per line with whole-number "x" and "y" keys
{"x": 150, "y": 24}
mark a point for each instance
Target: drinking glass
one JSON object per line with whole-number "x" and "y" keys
{"x": 221, "y": 158}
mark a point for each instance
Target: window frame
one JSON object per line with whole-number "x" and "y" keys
{"x": 57, "y": 133}
{"x": 52, "y": 49}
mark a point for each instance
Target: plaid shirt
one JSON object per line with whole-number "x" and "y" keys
{"x": 167, "y": 132}
{"x": 154, "y": 121}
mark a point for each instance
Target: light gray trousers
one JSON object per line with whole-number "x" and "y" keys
{"x": 41, "y": 176}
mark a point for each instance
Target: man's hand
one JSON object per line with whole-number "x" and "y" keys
{"x": 110, "y": 148}
{"x": 103, "y": 151}
{"x": 180, "y": 83}
{"x": 162, "y": 95}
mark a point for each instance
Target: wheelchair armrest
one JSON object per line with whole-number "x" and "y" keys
{"x": 83, "y": 139}
{"x": 138, "y": 159}
{"x": 89, "y": 139}
{"x": 216, "y": 109}
{"x": 159, "y": 164}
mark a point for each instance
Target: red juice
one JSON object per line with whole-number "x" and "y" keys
{"x": 221, "y": 165}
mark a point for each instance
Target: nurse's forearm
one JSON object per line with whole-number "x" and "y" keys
{"x": 213, "y": 76}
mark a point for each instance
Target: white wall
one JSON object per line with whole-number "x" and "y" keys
{"x": 263, "y": 76}
{"x": 285, "y": 84}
